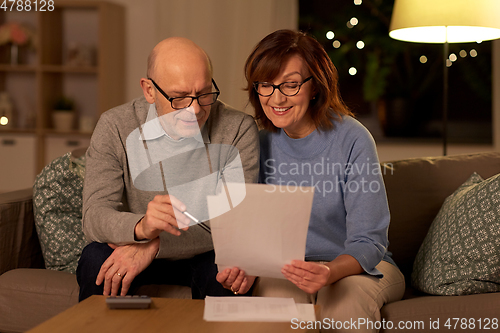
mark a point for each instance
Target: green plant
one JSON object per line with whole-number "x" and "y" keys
{"x": 64, "y": 103}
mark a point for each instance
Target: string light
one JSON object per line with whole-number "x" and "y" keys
{"x": 4, "y": 120}
{"x": 360, "y": 44}
{"x": 354, "y": 21}
{"x": 358, "y": 2}
{"x": 423, "y": 59}
{"x": 453, "y": 57}
{"x": 353, "y": 71}
{"x": 336, "y": 44}
{"x": 330, "y": 35}
{"x": 473, "y": 53}
{"x": 463, "y": 53}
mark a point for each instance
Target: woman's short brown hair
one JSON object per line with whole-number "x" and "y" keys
{"x": 265, "y": 62}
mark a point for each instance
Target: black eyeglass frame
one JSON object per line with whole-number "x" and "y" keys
{"x": 278, "y": 86}
{"x": 171, "y": 99}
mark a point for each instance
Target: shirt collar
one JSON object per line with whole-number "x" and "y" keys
{"x": 152, "y": 128}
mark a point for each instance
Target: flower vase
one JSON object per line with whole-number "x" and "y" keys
{"x": 14, "y": 54}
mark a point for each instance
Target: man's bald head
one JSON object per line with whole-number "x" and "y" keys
{"x": 176, "y": 51}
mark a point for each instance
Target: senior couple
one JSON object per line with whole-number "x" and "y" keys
{"x": 138, "y": 232}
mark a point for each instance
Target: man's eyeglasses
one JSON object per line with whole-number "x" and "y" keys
{"x": 266, "y": 89}
{"x": 186, "y": 101}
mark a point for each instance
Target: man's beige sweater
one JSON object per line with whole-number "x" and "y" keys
{"x": 112, "y": 205}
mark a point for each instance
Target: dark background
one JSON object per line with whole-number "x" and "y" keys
{"x": 393, "y": 93}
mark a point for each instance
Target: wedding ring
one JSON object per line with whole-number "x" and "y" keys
{"x": 235, "y": 292}
{"x": 118, "y": 274}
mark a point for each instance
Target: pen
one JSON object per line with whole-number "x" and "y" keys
{"x": 195, "y": 220}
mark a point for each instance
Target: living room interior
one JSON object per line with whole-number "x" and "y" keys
{"x": 206, "y": 22}
{"x": 94, "y": 54}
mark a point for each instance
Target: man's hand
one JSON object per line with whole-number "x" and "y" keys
{"x": 235, "y": 280}
{"x": 124, "y": 264}
{"x": 308, "y": 276}
{"x": 164, "y": 213}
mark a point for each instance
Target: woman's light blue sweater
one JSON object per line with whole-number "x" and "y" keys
{"x": 350, "y": 214}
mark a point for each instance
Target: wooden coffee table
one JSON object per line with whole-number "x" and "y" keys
{"x": 165, "y": 315}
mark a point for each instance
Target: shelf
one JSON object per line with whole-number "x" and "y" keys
{"x": 16, "y": 131}
{"x": 69, "y": 69}
{"x": 80, "y": 54}
{"x": 53, "y": 132}
{"x": 17, "y": 68}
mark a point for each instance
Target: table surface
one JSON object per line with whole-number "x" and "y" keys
{"x": 165, "y": 314}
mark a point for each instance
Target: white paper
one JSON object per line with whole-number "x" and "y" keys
{"x": 250, "y": 309}
{"x": 306, "y": 312}
{"x": 264, "y": 231}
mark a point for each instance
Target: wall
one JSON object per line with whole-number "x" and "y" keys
{"x": 227, "y": 30}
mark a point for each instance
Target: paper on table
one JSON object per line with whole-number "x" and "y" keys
{"x": 254, "y": 309}
{"x": 265, "y": 231}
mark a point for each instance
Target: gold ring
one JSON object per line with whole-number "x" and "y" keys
{"x": 235, "y": 292}
{"x": 118, "y": 274}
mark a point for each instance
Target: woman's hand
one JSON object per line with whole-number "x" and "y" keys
{"x": 235, "y": 280}
{"x": 308, "y": 276}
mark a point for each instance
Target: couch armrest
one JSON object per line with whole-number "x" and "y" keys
{"x": 19, "y": 245}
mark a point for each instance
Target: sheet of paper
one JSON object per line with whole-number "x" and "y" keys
{"x": 264, "y": 231}
{"x": 306, "y": 312}
{"x": 252, "y": 309}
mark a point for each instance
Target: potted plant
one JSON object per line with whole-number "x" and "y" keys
{"x": 63, "y": 114}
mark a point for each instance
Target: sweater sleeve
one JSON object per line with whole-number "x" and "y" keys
{"x": 365, "y": 200}
{"x": 105, "y": 219}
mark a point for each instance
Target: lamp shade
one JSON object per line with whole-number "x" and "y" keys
{"x": 439, "y": 21}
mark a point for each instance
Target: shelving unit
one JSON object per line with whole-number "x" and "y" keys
{"x": 34, "y": 86}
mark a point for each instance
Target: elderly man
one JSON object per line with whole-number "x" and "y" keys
{"x": 151, "y": 159}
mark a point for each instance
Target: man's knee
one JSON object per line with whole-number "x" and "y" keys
{"x": 93, "y": 256}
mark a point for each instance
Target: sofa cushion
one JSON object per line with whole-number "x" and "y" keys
{"x": 57, "y": 201}
{"x": 416, "y": 190}
{"x": 29, "y": 297}
{"x": 461, "y": 253}
{"x": 19, "y": 245}
{"x": 422, "y": 314}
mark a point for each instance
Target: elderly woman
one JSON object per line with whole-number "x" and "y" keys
{"x": 310, "y": 137}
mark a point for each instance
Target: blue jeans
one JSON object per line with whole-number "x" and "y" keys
{"x": 198, "y": 273}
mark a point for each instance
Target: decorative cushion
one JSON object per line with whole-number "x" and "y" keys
{"x": 57, "y": 202}
{"x": 461, "y": 253}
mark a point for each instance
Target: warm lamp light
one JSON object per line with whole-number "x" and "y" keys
{"x": 439, "y": 21}
{"x": 445, "y": 21}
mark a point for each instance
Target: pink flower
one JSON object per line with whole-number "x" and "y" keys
{"x": 15, "y": 33}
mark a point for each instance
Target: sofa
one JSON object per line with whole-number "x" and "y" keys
{"x": 416, "y": 189}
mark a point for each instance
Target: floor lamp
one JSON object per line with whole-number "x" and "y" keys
{"x": 445, "y": 21}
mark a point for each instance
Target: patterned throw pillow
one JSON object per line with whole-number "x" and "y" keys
{"x": 461, "y": 253}
{"x": 57, "y": 203}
